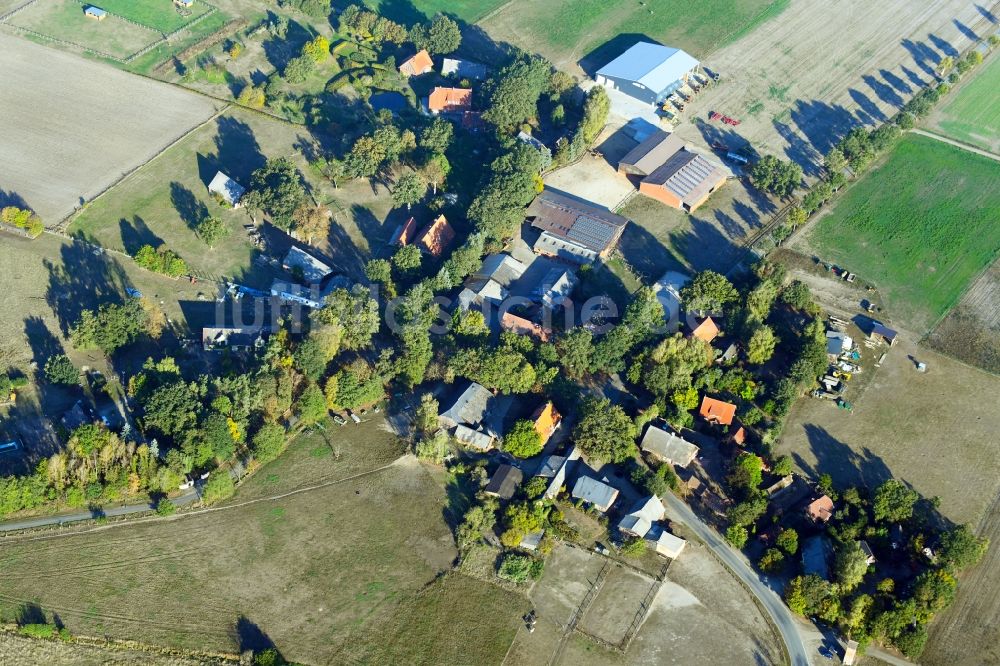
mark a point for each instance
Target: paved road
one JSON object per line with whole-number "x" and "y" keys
{"x": 782, "y": 617}
{"x": 110, "y": 512}
{"x": 957, "y": 144}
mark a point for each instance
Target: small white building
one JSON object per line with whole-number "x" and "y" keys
{"x": 228, "y": 189}
{"x": 640, "y": 519}
{"x": 665, "y": 543}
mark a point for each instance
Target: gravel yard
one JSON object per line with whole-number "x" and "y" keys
{"x": 105, "y": 124}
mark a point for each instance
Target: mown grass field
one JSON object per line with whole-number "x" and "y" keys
{"x": 162, "y": 16}
{"x": 469, "y": 11}
{"x": 64, "y": 19}
{"x": 342, "y": 571}
{"x": 567, "y": 31}
{"x": 973, "y": 114}
{"x": 920, "y": 226}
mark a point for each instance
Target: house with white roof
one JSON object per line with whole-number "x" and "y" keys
{"x": 642, "y": 516}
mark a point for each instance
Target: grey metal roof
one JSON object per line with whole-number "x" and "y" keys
{"x": 505, "y": 481}
{"x": 585, "y": 224}
{"x": 551, "y": 466}
{"x": 502, "y": 269}
{"x": 463, "y": 69}
{"x": 642, "y": 516}
{"x": 313, "y": 270}
{"x": 474, "y": 438}
{"x": 469, "y": 408}
{"x": 654, "y": 66}
{"x": 227, "y": 188}
{"x": 591, "y": 490}
{"x": 668, "y": 446}
{"x": 653, "y": 152}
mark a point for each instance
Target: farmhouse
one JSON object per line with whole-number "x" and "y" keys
{"x": 184, "y": 4}
{"x": 546, "y": 421}
{"x": 299, "y": 262}
{"x": 449, "y": 100}
{"x": 717, "y": 411}
{"x": 574, "y": 230}
{"x": 463, "y": 69}
{"x": 504, "y": 482}
{"x": 596, "y": 493}
{"x": 95, "y": 13}
{"x": 666, "y": 445}
{"x": 672, "y": 173}
{"x": 227, "y": 189}
{"x": 405, "y": 233}
{"x": 665, "y": 543}
{"x": 476, "y": 417}
{"x": 521, "y": 326}
{"x": 559, "y": 478}
{"x": 420, "y": 63}
{"x": 436, "y": 238}
{"x": 706, "y": 331}
{"x": 640, "y": 519}
{"x": 648, "y": 72}
{"x": 75, "y": 417}
{"x": 820, "y": 510}
{"x": 236, "y": 338}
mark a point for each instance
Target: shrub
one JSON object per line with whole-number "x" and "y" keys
{"x": 22, "y": 218}
{"x": 165, "y": 507}
{"x": 520, "y": 568}
{"x": 163, "y": 261}
{"x": 60, "y": 370}
{"x": 523, "y": 441}
{"x": 219, "y": 487}
{"x": 737, "y": 536}
{"x": 634, "y": 547}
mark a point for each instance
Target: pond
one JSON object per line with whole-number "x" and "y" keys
{"x": 393, "y": 101}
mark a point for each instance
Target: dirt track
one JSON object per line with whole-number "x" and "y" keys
{"x": 805, "y": 78}
{"x": 74, "y": 126}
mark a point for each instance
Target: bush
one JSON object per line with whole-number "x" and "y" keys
{"x": 60, "y": 370}
{"x": 523, "y": 441}
{"x": 162, "y": 261}
{"x": 434, "y": 448}
{"x": 268, "y": 443}
{"x": 22, "y": 218}
{"x": 520, "y": 568}
{"x": 634, "y": 547}
{"x": 219, "y": 487}
{"x": 737, "y": 536}
{"x": 165, "y": 507}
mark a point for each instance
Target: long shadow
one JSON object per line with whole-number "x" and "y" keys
{"x": 799, "y": 150}
{"x": 944, "y": 45}
{"x": 966, "y": 30}
{"x": 987, "y": 14}
{"x": 190, "y": 209}
{"x": 279, "y": 51}
{"x": 236, "y": 150}
{"x": 868, "y": 112}
{"x": 10, "y": 198}
{"x": 924, "y": 56}
{"x": 914, "y": 78}
{"x": 249, "y": 636}
{"x": 821, "y": 123}
{"x": 83, "y": 279}
{"x": 898, "y": 84}
{"x": 704, "y": 246}
{"x": 610, "y": 50}
{"x": 840, "y": 461}
{"x": 136, "y": 234}
{"x": 883, "y": 91}
{"x": 30, "y": 613}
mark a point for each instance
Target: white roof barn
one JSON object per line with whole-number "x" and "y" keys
{"x": 648, "y": 72}
{"x": 665, "y": 543}
{"x": 227, "y": 188}
{"x": 313, "y": 270}
{"x": 595, "y": 492}
{"x": 672, "y": 448}
{"x": 646, "y": 512}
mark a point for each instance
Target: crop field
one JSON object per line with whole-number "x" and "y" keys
{"x": 106, "y": 123}
{"x": 971, "y": 331}
{"x": 972, "y": 114}
{"x": 326, "y": 574}
{"x": 920, "y": 226}
{"x": 593, "y": 32}
{"x": 165, "y": 199}
{"x": 64, "y": 19}
{"x": 162, "y": 16}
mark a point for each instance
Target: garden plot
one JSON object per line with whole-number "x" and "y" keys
{"x": 73, "y": 127}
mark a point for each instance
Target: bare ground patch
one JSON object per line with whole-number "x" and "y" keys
{"x": 971, "y": 331}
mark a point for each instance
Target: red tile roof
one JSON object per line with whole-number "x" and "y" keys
{"x": 408, "y": 231}
{"x": 546, "y": 420}
{"x": 436, "y": 238}
{"x": 820, "y": 509}
{"x": 419, "y": 64}
{"x": 450, "y": 99}
{"x": 706, "y": 330}
{"x": 717, "y": 411}
{"x": 522, "y": 326}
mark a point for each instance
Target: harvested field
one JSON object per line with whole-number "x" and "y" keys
{"x": 920, "y": 226}
{"x": 164, "y": 200}
{"x": 592, "y": 32}
{"x": 806, "y": 79}
{"x": 971, "y": 331}
{"x": 971, "y": 113}
{"x": 64, "y": 20}
{"x": 106, "y": 123}
{"x": 933, "y": 430}
{"x": 16, "y": 649}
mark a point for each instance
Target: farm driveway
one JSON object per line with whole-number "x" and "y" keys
{"x": 72, "y": 127}
{"x": 800, "y": 82}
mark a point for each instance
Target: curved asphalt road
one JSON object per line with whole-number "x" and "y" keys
{"x": 109, "y": 512}
{"x": 782, "y": 617}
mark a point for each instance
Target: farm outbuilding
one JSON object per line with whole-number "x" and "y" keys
{"x": 312, "y": 269}
{"x": 672, "y": 448}
{"x": 95, "y": 13}
{"x": 671, "y": 172}
{"x": 228, "y": 189}
{"x": 463, "y": 69}
{"x": 717, "y": 411}
{"x": 596, "y": 493}
{"x": 504, "y": 482}
{"x": 882, "y": 333}
{"x": 648, "y": 72}
{"x": 642, "y": 516}
{"x": 574, "y": 230}
{"x": 665, "y": 543}
{"x": 184, "y": 4}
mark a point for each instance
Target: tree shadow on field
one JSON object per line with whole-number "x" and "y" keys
{"x": 898, "y": 84}
{"x": 249, "y": 636}
{"x": 821, "y": 123}
{"x": 868, "y": 111}
{"x": 83, "y": 279}
{"x": 237, "y": 153}
{"x": 841, "y": 462}
{"x": 279, "y": 51}
{"x": 987, "y": 14}
{"x": 9, "y": 198}
{"x": 969, "y": 33}
{"x": 704, "y": 246}
{"x": 30, "y": 613}
{"x": 190, "y": 209}
{"x": 914, "y": 78}
{"x": 44, "y": 345}
{"x": 610, "y": 50}
{"x": 136, "y": 234}
{"x": 883, "y": 91}
{"x": 944, "y": 46}
{"x": 924, "y": 56}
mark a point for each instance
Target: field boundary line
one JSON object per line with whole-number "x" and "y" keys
{"x": 6, "y": 16}
{"x": 64, "y": 223}
{"x": 956, "y": 143}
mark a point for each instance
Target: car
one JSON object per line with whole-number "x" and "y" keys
{"x": 339, "y": 420}
{"x": 826, "y": 652}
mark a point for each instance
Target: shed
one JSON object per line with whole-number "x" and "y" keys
{"x": 504, "y": 482}
{"x": 227, "y": 189}
{"x": 501, "y": 268}
{"x": 557, "y": 286}
{"x": 96, "y": 13}
{"x": 668, "y": 446}
{"x": 532, "y": 540}
{"x": 648, "y": 72}
{"x": 420, "y": 63}
{"x": 640, "y": 519}
{"x": 882, "y": 333}
{"x": 312, "y": 269}
{"x": 665, "y": 543}
{"x": 717, "y": 411}
{"x": 867, "y": 550}
{"x": 186, "y": 4}
{"x": 477, "y": 439}
{"x": 596, "y": 493}
{"x": 550, "y": 466}
{"x": 463, "y": 69}
{"x": 837, "y": 343}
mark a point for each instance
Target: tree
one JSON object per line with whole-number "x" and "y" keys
{"x": 519, "y": 568}
{"x": 747, "y": 471}
{"x": 788, "y": 541}
{"x": 310, "y": 221}
{"x": 576, "y": 349}
{"x": 298, "y": 69}
{"x": 219, "y": 436}
{"x": 58, "y": 370}
{"x": 310, "y": 359}
{"x": 110, "y": 327}
{"x": 172, "y": 408}
{"x": 605, "y": 432}
{"x": 595, "y": 114}
{"x": 355, "y": 312}
{"x": 358, "y": 385}
{"x": 409, "y": 189}
{"x": 165, "y": 508}
{"x": 163, "y": 261}
{"x": 268, "y": 442}
{"x": 633, "y": 547}
{"x": 851, "y": 565}
{"x": 436, "y": 137}
{"x": 435, "y": 170}
{"x": 777, "y": 176}
{"x": 523, "y": 440}
{"x": 434, "y": 448}
{"x": 276, "y": 189}
{"x": 748, "y": 512}
{"x": 934, "y": 590}
{"x": 961, "y": 548}
{"x": 252, "y": 96}
{"x": 318, "y": 49}
{"x": 761, "y": 345}
{"x": 737, "y": 536}
{"x": 708, "y": 291}
{"x": 835, "y": 160}
{"x": 894, "y": 502}
{"x": 782, "y": 466}
{"x": 502, "y": 368}
{"x": 772, "y": 561}
{"x": 311, "y": 406}
{"x": 219, "y": 487}
{"x": 212, "y": 230}
{"x": 513, "y": 92}
{"x": 441, "y": 35}
{"x": 407, "y": 259}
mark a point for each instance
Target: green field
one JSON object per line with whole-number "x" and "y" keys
{"x": 64, "y": 19}
{"x": 469, "y": 11}
{"x": 596, "y": 31}
{"x": 160, "y": 15}
{"x": 972, "y": 115}
{"x": 920, "y": 227}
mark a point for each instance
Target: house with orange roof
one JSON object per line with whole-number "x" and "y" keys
{"x": 511, "y": 322}
{"x": 421, "y": 63}
{"x": 405, "y": 233}
{"x": 738, "y": 436}
{"x": 706, "y": 331}
{"x": 546, "y": 420}
{"x": 449, "y": 100}
{"x": 436, "y": 238}
{"x": 820, "y": 510}
{"x": 717, "y": 411}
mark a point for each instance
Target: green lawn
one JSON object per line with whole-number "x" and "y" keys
{"x": 568, "y": 31}
{"x": 920, "y": 226}
{"x": 160, "y": 15}
{"x": 469, "y": 11}
{"x": 64, "y": 19}
{"x": 972, "y": 115}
